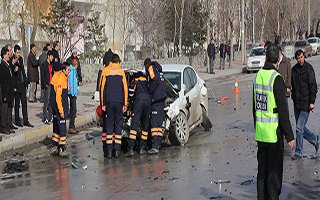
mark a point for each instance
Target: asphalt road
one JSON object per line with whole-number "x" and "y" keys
{"x": 220, "y": 164}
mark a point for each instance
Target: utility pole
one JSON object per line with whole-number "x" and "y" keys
{"x": 308, "y": 18}
{"x": 243, "y": 44}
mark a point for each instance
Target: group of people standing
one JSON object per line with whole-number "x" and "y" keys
{"x": 273, "y": 85}
{"x": 224, "y": 52}
{"x": 13, "y": 87}
{"x": 146, "y": 93}
{"x": 15, "y": 81}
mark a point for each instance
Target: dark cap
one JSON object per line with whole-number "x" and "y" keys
{"x": 57, "y": 66}
{"x": 107, "y": 57}
{"x": 115, "y": 58}
{"x": 147, "y": 62}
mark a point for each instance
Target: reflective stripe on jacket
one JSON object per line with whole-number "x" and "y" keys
{"x": 267, "y": 118}
{"x": 59, "y": 93}
{"x": 113, "y": 85}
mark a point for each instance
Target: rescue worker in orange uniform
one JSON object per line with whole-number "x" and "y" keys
{"x": 113, "y": 92}
{"x": 60, "y": 106}
{"x": 158, "y": 96}
{"x": 140, "y": 95}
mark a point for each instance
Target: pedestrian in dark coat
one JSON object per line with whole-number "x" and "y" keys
{"x": 285, "y": 70}
{"x": 7, "y": 89}
{"x": 33, "y": 73}
{"x": 211, "y": 50}
{"x": 43, "y": 59}
{"x": 222, "y": 51}
{"x": 20, "y": 90}
{"x": 55, "y": 50}
{"x": 304, "y": 93}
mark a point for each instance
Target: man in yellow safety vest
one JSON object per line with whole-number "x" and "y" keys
{"x": 271, "y": 121}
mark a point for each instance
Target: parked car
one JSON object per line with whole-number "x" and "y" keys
{"x": 305, "y": 46}
{"x": 186, "y": 106}
{"x": 315, "y": 44}
{"x": 256, "y": 59}
{"x": 288, "y": 51}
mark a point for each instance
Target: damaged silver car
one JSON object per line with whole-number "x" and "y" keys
{"x": 186, "y": 106}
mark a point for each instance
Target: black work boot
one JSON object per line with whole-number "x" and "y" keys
{"x": 109, "y": 154}
{"x": 129, "y": 153}
{"x": 117, "y": 154}
{"x": 142, "y": 151}
{"x": 153, "y": 151}
{"x": 104, "y": 147}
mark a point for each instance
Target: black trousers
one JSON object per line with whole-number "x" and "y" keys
{"x": 59, "y": 135}
{"x": 156, "y": 122}
{"x": 113, "y": 125}
{"x": 141, "y": 115}
{"x": 270, "y": 169}
{"x": 6, "y": 114}
{"x": 47, "y": 110}
{"x": 20, "y": 97}
{"x": 73, "y": 111}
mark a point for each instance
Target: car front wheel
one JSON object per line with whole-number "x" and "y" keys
{"x": 179, "y": 131}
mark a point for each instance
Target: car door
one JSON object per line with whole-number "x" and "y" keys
{"x": 190, "y": 94}
{"x": 197, "y": 110}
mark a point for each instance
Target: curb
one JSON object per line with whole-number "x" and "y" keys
{"x": 38, "y": 134}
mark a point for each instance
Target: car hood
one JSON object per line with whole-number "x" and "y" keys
{"x": 256, "y": 58}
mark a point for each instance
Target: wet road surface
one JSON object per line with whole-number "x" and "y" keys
{"x": 220, "y": 164}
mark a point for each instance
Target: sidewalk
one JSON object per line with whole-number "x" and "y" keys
{"x": 85, "y": 112}
{"x": 236, "y": 68}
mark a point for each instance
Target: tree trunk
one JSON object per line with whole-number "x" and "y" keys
{"x": 180, "y": 29}
{"x": 175, "y": 28}
{"x": 253, "y": 23}
{"x": 262, "y": 25}
{"x": 23, "y": 37}
{"x": 318, "y": 24}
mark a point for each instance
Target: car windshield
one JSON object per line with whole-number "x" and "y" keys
{"x": 257, "y": 52}
{"x": 300, "y": 44}
{"x": 313, "y": 40}
{"x": 174, "y": 78}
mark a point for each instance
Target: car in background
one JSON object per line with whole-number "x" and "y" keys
{"x": 256, "y": 59}
{"x": 315, "y": 44}
{"x": 305, "y": 46}
{"x": 186, "y": 105}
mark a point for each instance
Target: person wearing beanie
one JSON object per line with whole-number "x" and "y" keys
{"x": 60, "y": 106}
{"x": 33, "y": 73}
{"x": 46, "y": 77}
{"x": 158, "y": 97}
{"x": 113, "y": 90}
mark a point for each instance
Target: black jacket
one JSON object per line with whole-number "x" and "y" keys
{"x": 211, "y": 50}
{"x": 222, "y": 51}
{"x": 69, "y": 60}
{"x": 304, "y": 86}
{"x": 7, "y": 82}
{"x": 139, "y": 89}
{"x": 45, "y": 74}
{"x": 156, "y": 86}
{"x": 279, "y": 89}
{"x": 20, "y": 78}
{"x": 32, "y": 70}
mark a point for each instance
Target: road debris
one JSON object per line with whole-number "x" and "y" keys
{"x": 13, "y": 166}
{"x": 222, "y": 181}
{"x": 74, "y": 166}
{"x": 247, "y": 182}
{"x": 89, "y": 137}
